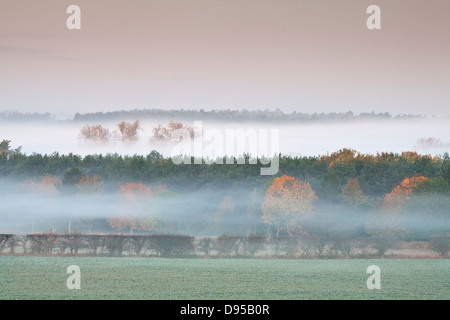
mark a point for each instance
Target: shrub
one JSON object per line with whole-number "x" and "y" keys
{"x": 93, "y": 242}
{"x": 254, "y": 243}
{"x": 115, "y": 244}
{"x": 226, "y": 244}
{"x": 74, "y": 242}
{"x": 138, "y": 243}
{"x": 440, "y": 244}
{"x": 291, "y": 246}
{"x": 43, "y": 242}
{"x": 4, "y": 238}
{"x": 342, "y": 244}
{"x": 310, "y": 246}
{"x": 172, "y": 245}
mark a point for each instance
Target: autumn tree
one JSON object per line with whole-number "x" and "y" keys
{"x": 286, "y": 201}
{"x": 341, "y": 156}
{"x": 390, "y": 220}
{"x": 431, "y": 142}
{"x": 95, "y": 132}
{"x": 90, "y": 185}
{"x": 164, "y": 134}
{"x": 47, "y": 185}
{"x": 129, "y": 131}
{"x": 427, "y": 208}
{"x": 410, "y": 156}
{"x": 352, "y": 193}
{"x": 395, "y": 200}
{"x": 135, "y": 209}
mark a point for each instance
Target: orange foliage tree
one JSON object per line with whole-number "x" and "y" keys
{"x": 344, "y": 155}
{"x": 135, "y": 209}
{"x": 47, "y": 185}
{"x": 410, "y": 155}
{"x": 400, "y": 193}
{"x": 390, "y": 220}
{"x": 286, "y": 201}
{"x": 161, "y": 133}
{"x": 90, "y": 185}
{"x": 129, "y": 131}
{"x": 95, "y": 132}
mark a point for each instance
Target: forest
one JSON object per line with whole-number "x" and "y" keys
{"x": 404, "y": 195}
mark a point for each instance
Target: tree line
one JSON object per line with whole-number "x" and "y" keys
{"x": 201, "y": 114}
{"x": 167, "y": 245}
{"x": 236, "y": 115}
{"x": 344, "y": 193}
{"x": 327, "y": 174}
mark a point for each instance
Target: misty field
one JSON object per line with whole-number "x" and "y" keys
{"x": 26, "y": 277}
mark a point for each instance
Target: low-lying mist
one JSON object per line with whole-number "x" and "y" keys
{"x": 205, "y": 211}
{"x": 426, "y": 136}
{"x": 193, "y": 212}
{"x": 202, "y": 212}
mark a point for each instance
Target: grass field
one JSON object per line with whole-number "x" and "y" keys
{"x": 28, "y": 277}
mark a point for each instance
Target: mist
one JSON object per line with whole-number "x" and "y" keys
{"x": 190, "y": 212}
{"x": 302, "y": 139}
{"x": 196, "y": 211}
{"x": 202, "y": 212}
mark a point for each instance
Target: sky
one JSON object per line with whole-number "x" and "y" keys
{"x": 303, "y": 55}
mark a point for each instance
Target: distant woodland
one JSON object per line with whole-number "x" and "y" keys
{"x": 200, "y": 114}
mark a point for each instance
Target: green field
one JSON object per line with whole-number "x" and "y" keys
{"x": 26, "y": 277}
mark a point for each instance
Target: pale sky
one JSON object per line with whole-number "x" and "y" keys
{"x": 304, "y": 55}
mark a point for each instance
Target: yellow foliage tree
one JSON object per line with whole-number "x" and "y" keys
{"x": 410, "y": 155}
{"x": 344, "y": 155}
{"x": 353, "y": 194}
{"x": 286, "y": 200}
